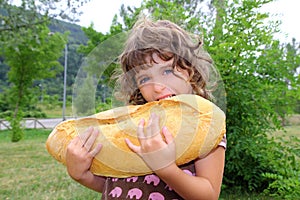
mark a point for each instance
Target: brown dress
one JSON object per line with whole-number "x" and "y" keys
{"x": 148, "y": 187}
{"x": 142, "y": 187}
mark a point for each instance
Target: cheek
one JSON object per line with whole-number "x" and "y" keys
{"x": 145, "y": 91}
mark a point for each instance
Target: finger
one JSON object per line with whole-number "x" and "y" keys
{"x": 153, "y": 128}
{"x": 84, "y": 136}
{"x": 167, "y": 134}
{"x": 75, "y": 141}
{"x": 140, "y": 130}
{"x": 133, "y": 147}
{"x": 91, "y": 140}
{"x": 96, "y": 150}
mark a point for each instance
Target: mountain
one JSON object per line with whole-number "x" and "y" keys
{"x": 76, "y": 36}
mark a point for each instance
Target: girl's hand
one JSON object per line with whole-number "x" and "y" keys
{"x": 80, "y": 154}
{"x": 156, "y": 151}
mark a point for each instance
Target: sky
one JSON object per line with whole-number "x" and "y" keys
{"x": 102, "y": 14}
{"x": 288, "y": 12}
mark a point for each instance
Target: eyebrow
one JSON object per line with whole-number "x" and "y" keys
{"x": 140, "y": 74}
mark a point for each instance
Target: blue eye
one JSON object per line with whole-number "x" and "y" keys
{"x": 168, "y": 71}
{"x": 143, "y": 80}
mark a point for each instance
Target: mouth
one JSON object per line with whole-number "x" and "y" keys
{"x": 165, "y": 97}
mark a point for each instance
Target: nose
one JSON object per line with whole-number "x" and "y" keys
{"x": 158, "y": 87}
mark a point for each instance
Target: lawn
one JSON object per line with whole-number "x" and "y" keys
{"x": 27, "y": 171}
{"x": 56, "y": 111}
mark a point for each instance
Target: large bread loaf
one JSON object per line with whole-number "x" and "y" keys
{"x": 197, "y": 124}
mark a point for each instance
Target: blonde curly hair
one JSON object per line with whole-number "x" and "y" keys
{"x": 168, "y": 41}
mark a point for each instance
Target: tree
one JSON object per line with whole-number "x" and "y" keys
{"x": 31, "y": 56}
{"x": 84, "y": 97}
{"x": 101, "y": 52}
{"x": 27, "y": 48}
{"x": 31, "y": 13}
{"x": 255, "y": 69}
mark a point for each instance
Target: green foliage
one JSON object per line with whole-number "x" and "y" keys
{"x": 94, "y": 39}
{"x": 31, "y": 56}
{"x": 51, "y": 101}
{"x": 101, "y": 52}
{"x": 284, "y": 178}
{"x": 7, "y": 109}
{"x": 282, "y": 81}
{"x": 286, "y": 187}
{"x": 103, "y": 107}
{"x": 3, "y": 75}
{"x": 76, "y": 36}
{"x": 84, "y": 98}
{"x": 23, "y": 18}
{"x": 168, "y": 10}
{"x": 17, "y": 130}
{"x": 255, "y": 69}
{"x": 27, "y": 13}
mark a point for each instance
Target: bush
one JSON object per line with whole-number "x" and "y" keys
{"x": 284, "y": 180}
{"x": 246, "y": 161}
{"x": 262, "y": 164}
{"x": 6, "y": 110}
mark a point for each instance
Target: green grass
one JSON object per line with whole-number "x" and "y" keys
{"x": 27, "y": 171}
{"x": 56, "y": 111}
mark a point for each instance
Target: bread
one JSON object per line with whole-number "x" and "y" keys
{"x": 197, "y": 125}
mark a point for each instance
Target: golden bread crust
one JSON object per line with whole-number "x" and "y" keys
{"x": 197, "y": 125}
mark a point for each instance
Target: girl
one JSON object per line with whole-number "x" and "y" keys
{"x": 160, "y": 60}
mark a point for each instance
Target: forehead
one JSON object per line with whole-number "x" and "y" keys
{"x": 154, "y": 59}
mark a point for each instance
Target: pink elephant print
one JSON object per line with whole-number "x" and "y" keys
{"x": 134, "y": 193}
{"x": 116, "y": 192}
{"x": 188, "y": 172}
{"x": 152, "y": 179}
{"x": 133, "y": 179}
{"x": 156, "y": 196}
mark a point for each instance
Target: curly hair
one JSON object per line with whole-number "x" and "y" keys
{"x": 168, "y": 41}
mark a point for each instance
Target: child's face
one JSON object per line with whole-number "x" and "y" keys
{"x": 161, "y": 80}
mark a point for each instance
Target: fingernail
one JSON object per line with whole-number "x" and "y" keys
{"x": 142, "y": 121}
{"x": 126, "y": 140}
{"x": 164, "y": 129}
{"x": 153, "y": 115}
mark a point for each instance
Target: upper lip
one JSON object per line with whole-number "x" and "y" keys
{"x": 165, "y": 96}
